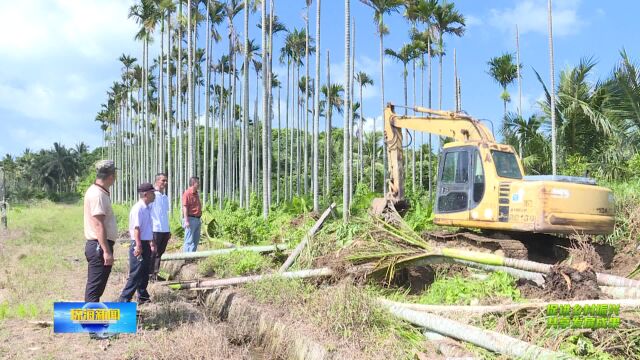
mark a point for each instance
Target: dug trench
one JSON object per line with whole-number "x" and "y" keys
{"x": 274, "y": 321}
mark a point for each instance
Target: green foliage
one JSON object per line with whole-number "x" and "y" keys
{"x": 461, "y": 290}
{"x": 420, "y": 214}
{"x": 346, "y": 233}
{"x": 234, "y": 264}
{"x": 580, "y": 345}
{"x": 121, "y": 212}
{"x": 298, "y": 205}
{"x": 53, "y": 173}
{"x": 362, "y": 199}
{"x": 627, "y": 207}
{"x": 634, "y": 166}
{"x": 575, "y": 165}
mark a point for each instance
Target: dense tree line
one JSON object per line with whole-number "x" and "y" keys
{"x": 52, "y": 173}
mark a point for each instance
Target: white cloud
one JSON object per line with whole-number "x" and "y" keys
{"x": 471, "y": 20}
{"x": 39, "y": 28}
{"x": 57, "y": 59}
{"x": 531, "y": 16}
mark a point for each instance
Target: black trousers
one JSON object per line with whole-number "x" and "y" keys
{"x": 161, "y": 239}
{"x": 97, "y": 273}
{"x": 138, "y": 274}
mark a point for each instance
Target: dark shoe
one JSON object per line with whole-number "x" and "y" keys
{"x": 143, "y": 301}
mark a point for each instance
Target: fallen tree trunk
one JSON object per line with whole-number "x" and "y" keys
{"x": 621, "y": 292}
{"x": 487, "y": 339}
{"x": 521, "y": 274}
{"x": 204, "y": 254}
{"x": 447, "y": 346}
{"x": 205, "y": 284}
{"x": 526, "y": 265}
{"x": 292, "y": 257}
{"x": 625, "y": 305}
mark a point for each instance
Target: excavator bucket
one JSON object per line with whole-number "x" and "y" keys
{"x": 388, "y": 210}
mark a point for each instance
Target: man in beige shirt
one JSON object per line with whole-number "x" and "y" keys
{"x": 100, "y": 230}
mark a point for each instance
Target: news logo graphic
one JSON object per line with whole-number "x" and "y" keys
{"x": 94, "y": 317}
{"x": 583, "y": 316}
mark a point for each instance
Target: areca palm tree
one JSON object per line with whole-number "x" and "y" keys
{"x": 504, "y": 71}
{"x": 145, "y": 14}
{"x": 333, "y": 101}
{"x": 346, "y": 189}
{"x": 380, "y": 8}
{"x": 363, "y": 80}
{"x": 406, "y": 54}
{"x": 316, "y": 118}
{"x": 583, "y": 122}
{"x": 446, "y": 20}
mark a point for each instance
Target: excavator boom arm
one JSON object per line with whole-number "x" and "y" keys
{"x": 458, "y": 126}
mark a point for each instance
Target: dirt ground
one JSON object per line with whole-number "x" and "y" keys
{"x": 169, "y": 328}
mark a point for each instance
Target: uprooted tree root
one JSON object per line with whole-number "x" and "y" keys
{"x": 577, "y": 282}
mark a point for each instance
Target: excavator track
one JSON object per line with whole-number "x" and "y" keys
{"x": 538, "y": 247}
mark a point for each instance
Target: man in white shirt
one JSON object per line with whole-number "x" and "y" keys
{"x": 142, "y": 246}
{"x": 160, "y": 218}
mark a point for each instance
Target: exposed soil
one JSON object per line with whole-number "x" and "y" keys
{"x": 530, "y": 290}
{"x": 414, "y": 278}
{"x": 625, "y": 260}
{"x": 575, "y": 283}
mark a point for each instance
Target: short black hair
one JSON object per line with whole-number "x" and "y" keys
{"x": 193, "y": 180}
{"x": 103, "y": 176}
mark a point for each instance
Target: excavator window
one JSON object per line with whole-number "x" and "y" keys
{"x": 453, "y": 187}
{"x": 456, "y": 168}
{"x": 478, "y": 179}
{"x": 506, "y": 164}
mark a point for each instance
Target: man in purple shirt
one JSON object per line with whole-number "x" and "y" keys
{"x": 142, "y": 246}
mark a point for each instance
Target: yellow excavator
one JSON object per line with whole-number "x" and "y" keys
{"x": 481, "y": 184}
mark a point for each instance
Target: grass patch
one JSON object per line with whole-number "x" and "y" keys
{"x": 460, "y": 290}
{"x": 280, "y": 291}
{"x": 234, "y": 263}
{"x": 351, "y": 313}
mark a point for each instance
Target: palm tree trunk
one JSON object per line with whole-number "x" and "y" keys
{"x": 278, "y": 152}
{"x": 430, "y": 137}
{"x": 554, "y": 160}
{"x": 347, "y": 105}
{"x": 413, "y": 138}
{"x": 265, "y": 169}
{"x": 306, "y": 107}
{"x": 221, "y": 115}
{"x": 244, "y": 188}
{"x": 270, "y": 105}
{"x": 316, "y": 117}
{"x": 327, "y": 153}
{"x": 421, "y": 133}
{"x": 190, "y": 120}
{"x": 212, "y": 162}
{"x": 287, "y": 193}
{"x": 361, "y": 139}
{"x": 207, "y": 105}
{"x": 350, "y": 137}
{"x": 384, "y": 143}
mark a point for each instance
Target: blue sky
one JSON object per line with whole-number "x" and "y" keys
{"x": 58, "y": 57}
